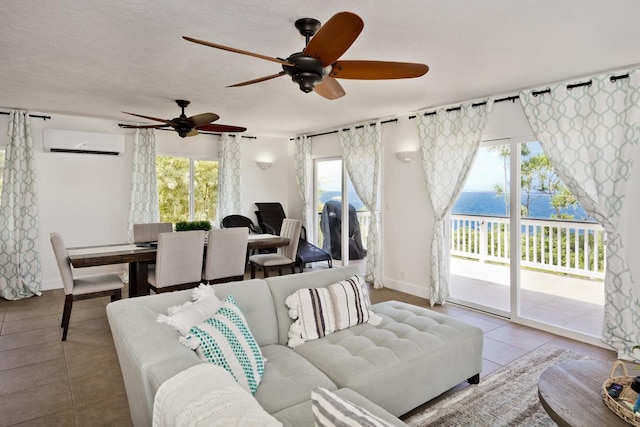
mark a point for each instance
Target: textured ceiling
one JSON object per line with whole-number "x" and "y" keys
{"x": 97, "y": 58}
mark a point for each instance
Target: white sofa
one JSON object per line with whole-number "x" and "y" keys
{"x": 412, "y": 356}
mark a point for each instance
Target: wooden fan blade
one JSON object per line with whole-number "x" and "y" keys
{"x": 243, "y": 52}
{"x": 261, "y": 79}
{"x": 329, "y": 88}
{"x": 155, "y": 119}
{"x": 193, "y": 132}
{"x": 377, "y": 70}
{"x": 334, "y": 37}
{"x": 203, "y": 119}
{"x": 143, "y": 127}
{"x": 221, "y": 128}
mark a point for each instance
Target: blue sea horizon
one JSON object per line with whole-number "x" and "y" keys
{"x": 485, "y": 203}
{"x": 488, "y": 203}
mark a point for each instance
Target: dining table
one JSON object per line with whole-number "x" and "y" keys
{"x": 140, "y": 255}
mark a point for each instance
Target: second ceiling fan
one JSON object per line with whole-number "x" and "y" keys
{"x": 317, "y": 67}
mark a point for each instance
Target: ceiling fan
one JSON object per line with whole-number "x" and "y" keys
{"x": 187, "y": 126}
{"x": 317, "y": 67}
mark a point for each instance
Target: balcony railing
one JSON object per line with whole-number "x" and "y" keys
{"x": 561, "y": 246}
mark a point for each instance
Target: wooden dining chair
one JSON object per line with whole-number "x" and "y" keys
{"x": 226, "y": 257}
{"x": 285, "y": 257}
{"x": 178, "y": 261}
{"x": 81, "y": 288}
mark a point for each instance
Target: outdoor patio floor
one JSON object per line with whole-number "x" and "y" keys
{"x": 559, "y": 300}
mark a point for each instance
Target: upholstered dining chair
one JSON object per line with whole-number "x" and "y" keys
{"x": 81, "y": 288}
{"x": 285, "y": 256}
{"x": 226, "y": 255}
{"x": 178, "y": 261}
{"x": 148, "y": 232}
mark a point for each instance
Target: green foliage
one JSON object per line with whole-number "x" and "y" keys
{"x": 193, "y": 225}
{"x": 174, "y": 178}
{"x": 537, "y": 177}
{"x": 205, "y": 189}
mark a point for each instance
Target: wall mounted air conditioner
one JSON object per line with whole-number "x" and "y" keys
{"x": 70, "y": 141}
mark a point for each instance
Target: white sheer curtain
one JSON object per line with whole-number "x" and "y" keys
{"x": 143, "y": 203}
{"x": 229, "y": 176}
{"x": 303, "y": 167}
{"x": 20, "y": 270}
{"x": 449, "y": 141}
{"x": 590, "y": 134}
{"x": 361, "y": 151}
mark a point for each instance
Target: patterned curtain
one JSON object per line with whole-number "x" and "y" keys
{"x": 449, "y": 141}
{"x": 229, "y": 176}
{"x": 361, "y": 151}
{"x": 590, "y": 134}
{"x": 302, "y": 163}
{"x": 20, "y": 271}
{"x": 143, "y": 205}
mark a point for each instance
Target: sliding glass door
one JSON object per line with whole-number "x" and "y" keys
{"x": 527, "y": 251}
{"x": 342, "y": 219}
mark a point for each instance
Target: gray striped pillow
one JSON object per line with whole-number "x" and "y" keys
{"x": 330, "y": 410}
{"x": 321, "y": 311}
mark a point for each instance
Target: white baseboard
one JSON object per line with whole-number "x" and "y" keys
{"x": 407, "y": 288}
{"x": 48, "y": 285}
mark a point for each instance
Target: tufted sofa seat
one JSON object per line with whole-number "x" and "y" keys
{"x": 412, "y": 356}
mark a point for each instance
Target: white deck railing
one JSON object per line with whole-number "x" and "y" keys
{"x": 570, "y": 247}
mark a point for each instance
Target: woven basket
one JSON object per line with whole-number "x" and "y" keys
{"x": 616, "y": 405}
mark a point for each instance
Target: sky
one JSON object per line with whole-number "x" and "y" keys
{"x": 487, "y": 170}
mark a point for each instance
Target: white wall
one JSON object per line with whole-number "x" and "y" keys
{"x": 85, "y": 197}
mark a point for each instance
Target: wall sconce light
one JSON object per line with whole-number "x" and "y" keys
{"x": 407, "y": 156}
{"x": 264, "y": 165}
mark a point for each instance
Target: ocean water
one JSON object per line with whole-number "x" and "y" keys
{"x": 487, "y": 203}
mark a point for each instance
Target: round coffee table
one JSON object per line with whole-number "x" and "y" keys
{"x": 570, "y": 393}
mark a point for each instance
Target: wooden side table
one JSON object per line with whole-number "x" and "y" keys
{"x": 570, "y": 393}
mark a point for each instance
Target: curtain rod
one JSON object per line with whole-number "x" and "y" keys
{"x": 30, "y": 115}
{"x": 204, "y": 132}
{"x": 357, "y": 127}
{"x": 534, "y": 93}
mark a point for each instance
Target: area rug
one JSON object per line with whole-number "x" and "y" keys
{"x": 506, "y": 397}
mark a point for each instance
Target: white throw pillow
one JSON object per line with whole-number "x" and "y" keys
{"x": 330, "y": 410}
{"x": 207, "y": 395}
{"x": 225, "y": 340}
{"x": 184, "y": 317}
{"x": 319, "y": 312}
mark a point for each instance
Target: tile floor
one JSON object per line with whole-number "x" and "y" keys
{"x": 46, "y": 382}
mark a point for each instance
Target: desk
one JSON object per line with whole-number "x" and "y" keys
{"x": 139, "y": 258}
{"x": 570, "y": 393}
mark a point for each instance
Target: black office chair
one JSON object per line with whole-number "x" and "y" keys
{"x": 233, "y": 221}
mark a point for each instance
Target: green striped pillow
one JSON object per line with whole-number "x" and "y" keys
{"x": 225, "y": 340}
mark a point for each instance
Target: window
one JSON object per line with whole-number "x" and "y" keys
{"x": 187, "y": 189}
